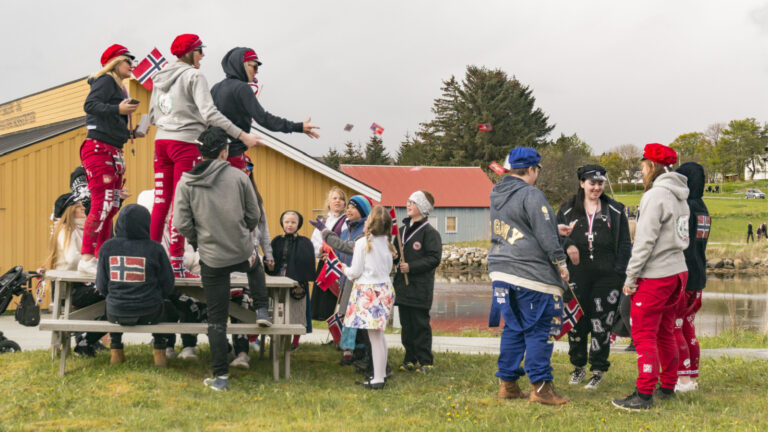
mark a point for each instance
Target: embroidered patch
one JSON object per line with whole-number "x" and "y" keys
{"x": 416, "y": 245}
{"x": 681, "y": 228}
{"x": 647, "y": 368}
{"x": 106, "y": 178}
{"x": 703, "y": 223}
{"x": 545, "y": 211}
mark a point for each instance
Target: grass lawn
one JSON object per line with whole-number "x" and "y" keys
{"x": 459, "y": 395}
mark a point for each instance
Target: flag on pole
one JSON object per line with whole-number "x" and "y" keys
{"x": 377, "y": 129}
{"x": 330, "y": 274}
{"x": 394, "y": 220}
{"x": 148, "y": 67}
{"x": 498, "y": 169}
{"x": 485, "y": 127}
{"x": 334, "y": 327}
{"x": 571, "y": 314}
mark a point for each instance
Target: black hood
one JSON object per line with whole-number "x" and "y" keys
{"x": 133, "y": 222}
{"x": 233, "y": 64}
{"x": 695, "y": 175}
{"x": 301, "y": 219}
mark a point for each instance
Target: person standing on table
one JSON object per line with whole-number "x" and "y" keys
{"x": 656, "y": 276}
{"x": 182, "y": 108}
{"x": 135, "y": 276}
{"x": 527, "y": 266}
{"x": 216, "y": 209}
{"x": 235, "y": 98}
{"x": 107, "y": 117}
{"x": 696, "y": 261}
{"x": 598, "y": 248}
{"x": 420, "y": 256}
{"x": 324, "y": 301}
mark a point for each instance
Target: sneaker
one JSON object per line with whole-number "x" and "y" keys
{"x": 170, "y": 353}
{"x": 262, "y": 318}
{"x": 88, "y": 267}
{"x": 630, "y": 347}
{"x": 663, "y": 394}
{"x": 684, "y": 388}
{"x": 256, "y": 345}
{"x": 188, "y": 353}
{"x": 346, "y": 358}
{"x": 85, "y": 351}
{"x": 594, "y": 382}
{"x": 408, "y": 367}
{"x": 633, "y": 402}
{"x": 241, "y": 361}
{"x": 218, "y": 383}
{"x": 577, "y": 376}
{"x": 425, "y": 369}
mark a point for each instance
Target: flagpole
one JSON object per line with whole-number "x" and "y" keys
{"x": 399, "y": 239}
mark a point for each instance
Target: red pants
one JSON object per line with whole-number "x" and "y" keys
{"x": 172, "y": 159}
{"x": 104, "y": 168}
{"x": 653, "y": 330}
{"x": 240, "y": 162}
{"x": 685, "y": 332}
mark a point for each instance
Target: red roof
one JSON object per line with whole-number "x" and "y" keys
{"x": 451, "y": 186}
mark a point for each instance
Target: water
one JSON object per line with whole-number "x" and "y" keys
{"x": 462, "y": 303}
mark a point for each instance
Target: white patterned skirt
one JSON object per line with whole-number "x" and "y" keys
{"x": 370, "y": 306}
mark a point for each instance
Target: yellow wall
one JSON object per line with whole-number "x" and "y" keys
{"x": 58, "y": 104}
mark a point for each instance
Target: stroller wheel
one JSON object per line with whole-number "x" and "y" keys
{"x": 9, "y": 346}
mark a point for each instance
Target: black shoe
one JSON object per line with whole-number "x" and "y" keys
{"x": 346, "y": 361}
{"x": 85, "y": 351}
{"x": 98, "y": 346}
{"x": 633, "y": 402}
{"x": 664, "y": 394}
{"x": 371, "y": 386}
{"x": 408, "y": 367}
{"x": 387, "y": 376}
{"x": 630, "y": 347}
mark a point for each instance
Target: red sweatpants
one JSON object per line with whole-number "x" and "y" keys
{"x": 104, "y": 168}
{"x": 685, "y": 333}
{"x": 172, "y": 159}
{"x": 653, "y": 330}
{"x": 240, "y": 162}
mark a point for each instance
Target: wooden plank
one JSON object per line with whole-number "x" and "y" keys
{"x": 189, "y": 328}
{"x": 237, "y": 279}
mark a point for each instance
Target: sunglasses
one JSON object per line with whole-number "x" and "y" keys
{"x": 200, "y": 50}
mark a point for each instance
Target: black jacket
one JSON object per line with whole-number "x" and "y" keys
{"x": 423, "y": 251}
{"x": 102, "y": 116}
{"x": 235, "y": 99}
{"x": 698, "y": 227}
{"x": 298, "y": 254}
{"x": 134, "y": 272}
{"x": 619, "y": 226}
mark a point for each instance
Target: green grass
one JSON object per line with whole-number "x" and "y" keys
{"x": 459, "y": 395}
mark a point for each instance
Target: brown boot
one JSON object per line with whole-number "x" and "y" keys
{"x": 160, "y": 359}
{"x": 510, "y": 390}
{"x": 543, "y": 392}
{"x": 118, "y": 356}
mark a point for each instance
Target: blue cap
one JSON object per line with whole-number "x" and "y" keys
{"x": 522, "y": 157}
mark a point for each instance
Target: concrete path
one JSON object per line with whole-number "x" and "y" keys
{"x": 30, "y": 338}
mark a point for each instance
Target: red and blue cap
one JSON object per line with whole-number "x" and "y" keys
{"x": 113, "y": 51}
{"x": 522, "y": 157}
{"x": 250, "y": 55}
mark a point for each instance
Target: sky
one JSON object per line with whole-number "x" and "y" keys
{"x": 613, "y": 72}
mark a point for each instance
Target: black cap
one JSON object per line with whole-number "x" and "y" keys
{"x": 592, "y": 172}
{"x": 61, "y": 204}
{"x": 212, "y": 141}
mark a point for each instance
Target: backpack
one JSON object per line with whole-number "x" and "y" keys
{"x": 28, "y": 311}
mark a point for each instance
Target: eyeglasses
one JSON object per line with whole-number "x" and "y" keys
{"x": 200, "y": 50}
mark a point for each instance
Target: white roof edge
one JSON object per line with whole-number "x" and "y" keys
{"x": 315, "y": 165}
{"x": 410, "y": 166}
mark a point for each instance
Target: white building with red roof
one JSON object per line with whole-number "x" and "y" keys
{"x": 461, "y": 195}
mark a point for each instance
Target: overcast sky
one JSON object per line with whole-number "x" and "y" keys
{"x": 613, "y": 72}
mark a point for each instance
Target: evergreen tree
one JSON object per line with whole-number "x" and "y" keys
{"x": 332, "y": 158}
{"x": 375, "y": 153}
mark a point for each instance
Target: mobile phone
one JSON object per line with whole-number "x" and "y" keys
{"x": 133, "y": 101}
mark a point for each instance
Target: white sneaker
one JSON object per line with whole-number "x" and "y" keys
{"x": 255, "y": 345}
{"x": 241, "y": 361}
{"x": 684, "y": 388}
{"x": 188, "y": 353}
{"x": 170, "y": 353}
{"x": 88, "y": 267}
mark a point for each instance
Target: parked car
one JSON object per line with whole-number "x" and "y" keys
{"x": 754, "y": 193}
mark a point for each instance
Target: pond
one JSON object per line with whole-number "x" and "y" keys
{"x": 462, "y": 303}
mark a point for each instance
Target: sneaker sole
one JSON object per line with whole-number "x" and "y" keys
{"x": 214, "y": 388}
{"x": 263, "y": 323}
{"x": 627, "y": 408}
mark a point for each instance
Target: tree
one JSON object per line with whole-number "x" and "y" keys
{"x": 353, "y": 154}
{"x": 745, "y": 141}
{"x": 332, "y": 158}
{"x": 560, "y": 160}
{"x": 413, "y": 152}
{"x": 692, "y": 146}
{"x": 375, "y": 153}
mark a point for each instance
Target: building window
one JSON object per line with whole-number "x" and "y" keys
{"x": 451, "y": 224}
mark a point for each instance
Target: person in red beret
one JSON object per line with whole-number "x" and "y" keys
{"x": 107, "y": 118}
{"x": 182, "y": 108}
{"x": 656, "y": 276}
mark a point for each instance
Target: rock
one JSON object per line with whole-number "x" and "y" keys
{"x": 727, "y": 263}
{"x": 463, "y": 259}
{"x": 739, "y": 264}
{"x": 715, "y": 263}
{"x": 756, "y": 262}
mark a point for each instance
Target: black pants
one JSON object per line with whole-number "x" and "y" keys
{"x": 750, "y": 235}
{"x": 182, "y": 308}
{"x": 417, "y": 335}
{"x": 84, "y": 295}
{"x": 598, "y": 294}
{"x": 240, "y": 343}
{"x": 216, "y": 285}
{"x": 154, "y": 317}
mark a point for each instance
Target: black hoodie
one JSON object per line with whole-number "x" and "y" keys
{"x": 134, "y": 272}
{"x": 235, "y": 99}
{"x": 698, "y": 227}
{"x": 102, "y": 114}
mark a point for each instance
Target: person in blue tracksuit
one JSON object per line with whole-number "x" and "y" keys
{"x": 527, "y": 266}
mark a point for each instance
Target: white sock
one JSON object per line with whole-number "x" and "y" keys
{"x": 379, "y": 354}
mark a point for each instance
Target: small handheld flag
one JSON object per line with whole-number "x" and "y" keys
{"x": 148, "y": 67}
{"x": 485, "y": 127}
{"x": 572, "y": 313}
{"x": 378, "y": 130}
{"x": 498, "y": 169}
{"x": 334, "y": 327}
{"x": 330, "y": 273}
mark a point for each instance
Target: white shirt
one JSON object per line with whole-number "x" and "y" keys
{"x": 370, "y": 267}
{"x": 67, "y": 259}
{"x": 317, "y": 236}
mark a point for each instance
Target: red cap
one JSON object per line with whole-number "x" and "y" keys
{"x": 114, "y": 51}
{"x": 660, "y": 154}
{"x": 251, "y": 55}
{"x": 185, "y": 43}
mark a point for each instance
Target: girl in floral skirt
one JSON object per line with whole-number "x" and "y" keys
{"x": 372, "y": 297}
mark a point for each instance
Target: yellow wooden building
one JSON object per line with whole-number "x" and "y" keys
{"x": 40, "y": 138}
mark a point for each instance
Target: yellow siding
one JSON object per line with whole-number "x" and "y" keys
{"x": 58, "y": 104}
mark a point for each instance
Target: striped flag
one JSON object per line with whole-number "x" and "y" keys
{"x": 330, "y": 274}
{"x": 378, "y": 130}
{"x": 572, "y": 313}
{"x": 148, "y": 67}
{"x": 334, "y": 327}
{"x": 485, "y": 127}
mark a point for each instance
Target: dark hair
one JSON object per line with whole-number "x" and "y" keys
{"x": 429, "y": 197}
{"x": 212, "y": 141}
{"x": 578, "y": 201}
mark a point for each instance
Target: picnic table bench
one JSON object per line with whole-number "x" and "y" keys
{"x": 66, "y": 321}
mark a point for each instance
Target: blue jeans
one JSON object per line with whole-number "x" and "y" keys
{"x": 531, "y": 320}
{"x": 348, "y": 335}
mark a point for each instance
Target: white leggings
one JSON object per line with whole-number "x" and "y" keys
{"x": 379, "y": 355}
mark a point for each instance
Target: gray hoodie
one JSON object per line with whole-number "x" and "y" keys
{"x": 216, "y": 208}
{"x": 661, "y": 234}
{"x": 525, "y": 249}
{"x": 181, "y": 105}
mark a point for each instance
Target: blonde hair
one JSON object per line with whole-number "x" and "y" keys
{"x": 335, "y": 190}
{"x": 111, "y": 70}
{"x": 656, "y": 169}
{"x": 66, "y": 224}
{"x": 379, "y": 224}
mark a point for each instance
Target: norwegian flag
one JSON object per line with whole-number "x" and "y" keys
{"x": 485, "y": 127}
{"x": 148, "y": 67}
{"x": 572, "y": 313}
{"x": 703, "y": 223}
{"x": 334, "y": 327}
{"x": 377, "y": 129}
{"x": 394, "y": 220}
{"x": 497, "y": 168}
{"x": 127, "y": 269}
{"x": 330, "y": 274}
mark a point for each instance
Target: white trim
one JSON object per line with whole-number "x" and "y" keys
{"x": 315, "y": 165}
{"x": 456, "y": 225}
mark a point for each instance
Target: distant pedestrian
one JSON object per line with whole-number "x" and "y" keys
{"x": 750, "y": 235}
{"x": 765, "y": 230}
{"x": 759, "y": 233}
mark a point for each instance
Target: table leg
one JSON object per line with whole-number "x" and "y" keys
{"x": 64, "y": 351}
{"x": 287, "y": 357}
{"x": 274, "y": 347}
{"x": 262, "y": 345}
{"x": 55, "y": 336}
